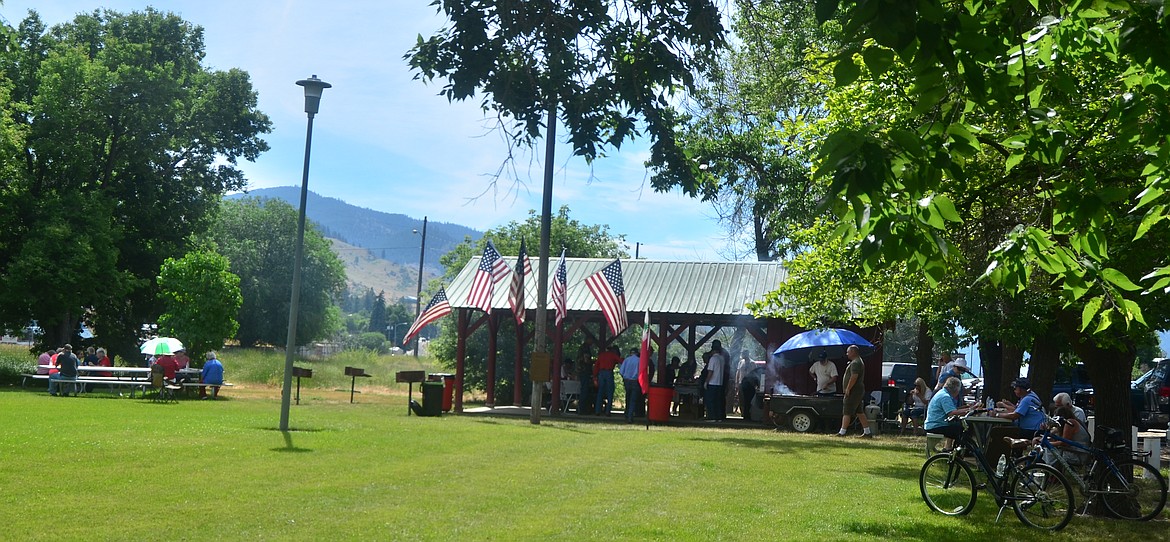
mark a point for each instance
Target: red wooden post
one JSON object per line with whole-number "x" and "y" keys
{"x": 460, "y": 358}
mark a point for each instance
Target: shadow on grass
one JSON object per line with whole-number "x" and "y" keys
{"x": 288, "y": 444}
{"x": 560, "y": 424}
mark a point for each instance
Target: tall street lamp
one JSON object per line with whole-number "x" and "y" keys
{"x": 313, "y": 89}
{"x": 422, "y": 250}
{"x": 394, "y": 331}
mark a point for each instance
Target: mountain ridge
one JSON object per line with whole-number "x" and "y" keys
{"x": 380, "y": 250}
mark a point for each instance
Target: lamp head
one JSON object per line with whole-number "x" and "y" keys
{"x": 313, "y": 89}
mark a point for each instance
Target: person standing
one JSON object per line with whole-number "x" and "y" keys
{"x": 212, "y": 374}
{"x": 854, "y": 380}
{"x": 825, "y": 373}
{"x": 629, "y": 371}
{"x": 66, "y": 369}
{"x": 714, "y": 373}
{"x": 585, "y": 377}
{"x": 603, "y": 372}
{"x": 956, "y": 369}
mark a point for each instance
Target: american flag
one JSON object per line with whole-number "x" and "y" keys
{"x": 560, "y": 288}
{"x": 492, "y": 269}
{"x": 437, "y": 308}
{"x": 606, "y": 286}
{"x": 516, "y": 293}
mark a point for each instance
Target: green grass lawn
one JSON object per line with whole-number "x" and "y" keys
{"x": 108, "y": 468}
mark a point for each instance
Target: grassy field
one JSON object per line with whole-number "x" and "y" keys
{"x": 105, "y": 468}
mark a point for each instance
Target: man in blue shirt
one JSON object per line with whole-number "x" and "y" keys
{"x": 1027, "y": 419}
{"x": 629, "y": 371}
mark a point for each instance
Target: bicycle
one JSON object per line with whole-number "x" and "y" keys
{"x": 1129, "y": 488}
{"x": 1040, "y": 496}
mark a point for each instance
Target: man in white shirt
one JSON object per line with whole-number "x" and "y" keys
{"x": 825, "y": 373}
{"x": 714, "y": 399}
{"x": 1063, "y": 399}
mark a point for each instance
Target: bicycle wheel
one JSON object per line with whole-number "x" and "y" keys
{"x": 1134, "y": 491}
{"x": 1042, "y": 497}
{"x": 947, "y": 486}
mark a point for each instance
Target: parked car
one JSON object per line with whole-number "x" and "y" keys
{"x": 1071, "y": 380}
{"x": 903, "y": 375}
{"x": 1149, "y": 397}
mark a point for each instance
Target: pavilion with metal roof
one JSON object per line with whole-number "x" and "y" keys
{"x": 681, "y": 297}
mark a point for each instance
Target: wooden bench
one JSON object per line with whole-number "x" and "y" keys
{"x": 203, "y": 385}
{"x": 76, "y": 386}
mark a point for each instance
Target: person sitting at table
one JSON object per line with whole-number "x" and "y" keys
{"x": 915, "y": 409}
{"x": 212, "y": 374}
{"x": 181, "y": 359}
{"x": 91, "y": 357}
{"x": 1063, "y": 399}
{"x": 170, "y": 367}
{"x": 45, "y": 361}
{"x": 1070, "y": 429}
{"x": 66, "y": 369}
{"x": 104, "y": 361}
{"x": 943, "y": 405}
{"x": 1026, "y": 416}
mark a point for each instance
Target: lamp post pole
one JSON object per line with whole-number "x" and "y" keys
{"x": 394, "y": 331}
{"x": 422, "y": 250}
{"x": 313, "y": 89}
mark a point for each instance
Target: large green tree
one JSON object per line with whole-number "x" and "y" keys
{"x": 579, "y": 240}
{"x": 1046, "y": 114}
{"x": 201, "y": 299}
{"x": 127, "y": 142}
{"x": 746, "y": 132}
{"x": 258, "y": 237}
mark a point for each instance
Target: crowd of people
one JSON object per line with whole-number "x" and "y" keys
{"x": 725, "y": 386}
{"x": 1026, "y": 414}
{"x": 61, "y": 365}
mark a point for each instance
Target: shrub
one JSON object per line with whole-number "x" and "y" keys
{"x": 373, "y": 341}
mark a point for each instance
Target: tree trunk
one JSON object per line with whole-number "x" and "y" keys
{"x": 1109, "y": 369}
{"x": 1045, "y": 360}
{"x": 991, "y": 357}
{"x": 1012, "y": 360}
{"x": 924, "y": 355}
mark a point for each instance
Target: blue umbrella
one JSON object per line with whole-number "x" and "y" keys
{"x": 831, "y": 341}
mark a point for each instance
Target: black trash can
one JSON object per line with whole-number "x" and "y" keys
{"x": 432, "y": 395}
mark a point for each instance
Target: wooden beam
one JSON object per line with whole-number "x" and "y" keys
{"x": 460, "y": 357}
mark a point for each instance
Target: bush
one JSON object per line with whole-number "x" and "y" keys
{"x": 374, "y": 342}
{"x": 13, "y": 362}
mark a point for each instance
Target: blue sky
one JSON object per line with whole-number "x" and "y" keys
{"x": 387, "y": 142}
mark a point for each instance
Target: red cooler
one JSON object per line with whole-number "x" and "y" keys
{"x": 660, "y": 398}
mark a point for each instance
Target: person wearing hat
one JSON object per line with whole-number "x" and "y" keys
{"x": 1027, "y": 418}
{"x": 956, "y": 369}
{"x": 825, "y": 373}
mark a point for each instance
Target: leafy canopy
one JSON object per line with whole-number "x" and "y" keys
{"x": 116, "y": 144}
{"x": 604, "y": 65}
